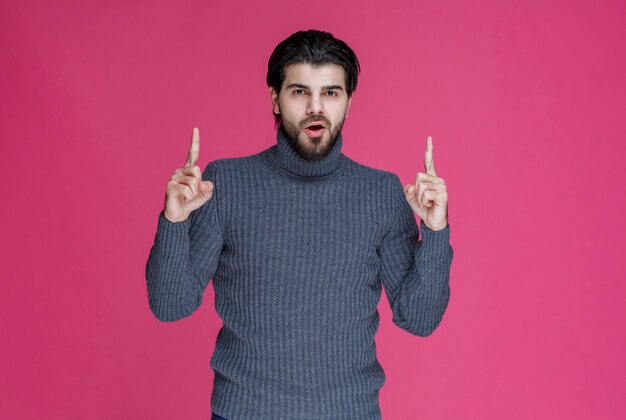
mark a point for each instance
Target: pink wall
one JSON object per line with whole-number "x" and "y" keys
{"x": 525, "y": 102}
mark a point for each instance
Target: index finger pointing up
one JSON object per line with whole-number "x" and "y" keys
{"x": 429, "y": 165}
{"x": 194, "y": 149}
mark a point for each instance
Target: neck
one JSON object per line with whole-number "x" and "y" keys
{"x": 285, "y": 156}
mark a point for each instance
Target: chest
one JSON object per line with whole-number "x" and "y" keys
{"x": 310, "y": 223}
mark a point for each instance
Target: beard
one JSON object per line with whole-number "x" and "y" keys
{"x": 314, "y": 150}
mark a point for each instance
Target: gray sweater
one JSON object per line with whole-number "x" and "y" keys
{"x": 299, "y": 252}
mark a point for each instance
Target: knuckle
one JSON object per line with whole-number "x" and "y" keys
{"x": 188, "y": 193}
{"x": 194, "y": 171}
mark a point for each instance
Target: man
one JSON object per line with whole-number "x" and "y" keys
{"x": 299, "y": 240}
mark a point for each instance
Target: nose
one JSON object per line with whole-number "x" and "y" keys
{"x": 315, "y": 105}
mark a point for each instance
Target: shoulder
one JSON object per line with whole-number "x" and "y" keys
{"x": 382, "y": 188}
{"x": 233, "y": 165}
{"x": 381, "y": 177}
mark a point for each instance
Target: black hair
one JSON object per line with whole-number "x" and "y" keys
{"x": 316, "y": 48}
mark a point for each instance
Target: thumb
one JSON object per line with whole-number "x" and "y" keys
{"x": 204, "y": 186}
{"x": 204, "y": 192}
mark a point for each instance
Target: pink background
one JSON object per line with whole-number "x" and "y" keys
{"x": 525, "y": 102}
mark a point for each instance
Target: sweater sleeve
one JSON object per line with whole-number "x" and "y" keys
{"x": 184, "y": 257}
{"x": 415, "y": 274}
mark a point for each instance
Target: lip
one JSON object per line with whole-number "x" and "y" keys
{"x": 316, "y": 123}
{"x": 315, "y": 133}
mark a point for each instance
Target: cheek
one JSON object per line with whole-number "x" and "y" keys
{"x": 339, "y": 109}
{"x": 292, "y": 109}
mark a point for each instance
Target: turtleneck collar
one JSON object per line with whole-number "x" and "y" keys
{"x": 285, "y": 156}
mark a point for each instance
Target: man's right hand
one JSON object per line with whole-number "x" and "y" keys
{"x": 186, "y": 191}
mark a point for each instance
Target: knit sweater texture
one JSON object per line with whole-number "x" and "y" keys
{"x": 299, "y": 252}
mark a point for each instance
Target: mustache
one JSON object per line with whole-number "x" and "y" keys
{"x": 316, "y": 119}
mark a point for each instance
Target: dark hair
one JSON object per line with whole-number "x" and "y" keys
{"x": 312, "y": 47}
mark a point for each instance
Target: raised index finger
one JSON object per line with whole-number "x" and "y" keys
{"x": 194, "y": 149}
{"x": 429, "y": 165}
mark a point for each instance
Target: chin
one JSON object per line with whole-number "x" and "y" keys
{"x": 316, "y": 143}
{"x": 316, "y": 147}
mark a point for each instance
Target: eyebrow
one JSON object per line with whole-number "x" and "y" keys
{"x": 301, "y": 86}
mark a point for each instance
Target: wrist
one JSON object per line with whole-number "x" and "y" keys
{"x": 437, "y": 227}
{"x": 174, "y": 219}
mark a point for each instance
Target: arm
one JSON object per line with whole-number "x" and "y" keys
{"x": 184, "y": 257}
{"x": 415, "y": 274}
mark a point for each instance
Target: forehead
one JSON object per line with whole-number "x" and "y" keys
{"x": 315, "y": 76}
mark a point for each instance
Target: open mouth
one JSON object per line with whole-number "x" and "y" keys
{"x": 314, "y": 130}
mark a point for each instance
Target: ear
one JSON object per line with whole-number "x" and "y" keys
{"x": 274, "y": 97}
{"x": 349, "y": 102}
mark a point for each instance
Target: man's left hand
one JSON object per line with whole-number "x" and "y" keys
{"x": 429, "y": 196}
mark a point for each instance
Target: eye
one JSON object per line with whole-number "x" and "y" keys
{"x": 297, "y": 91}
{"x": 331, "y": 93}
